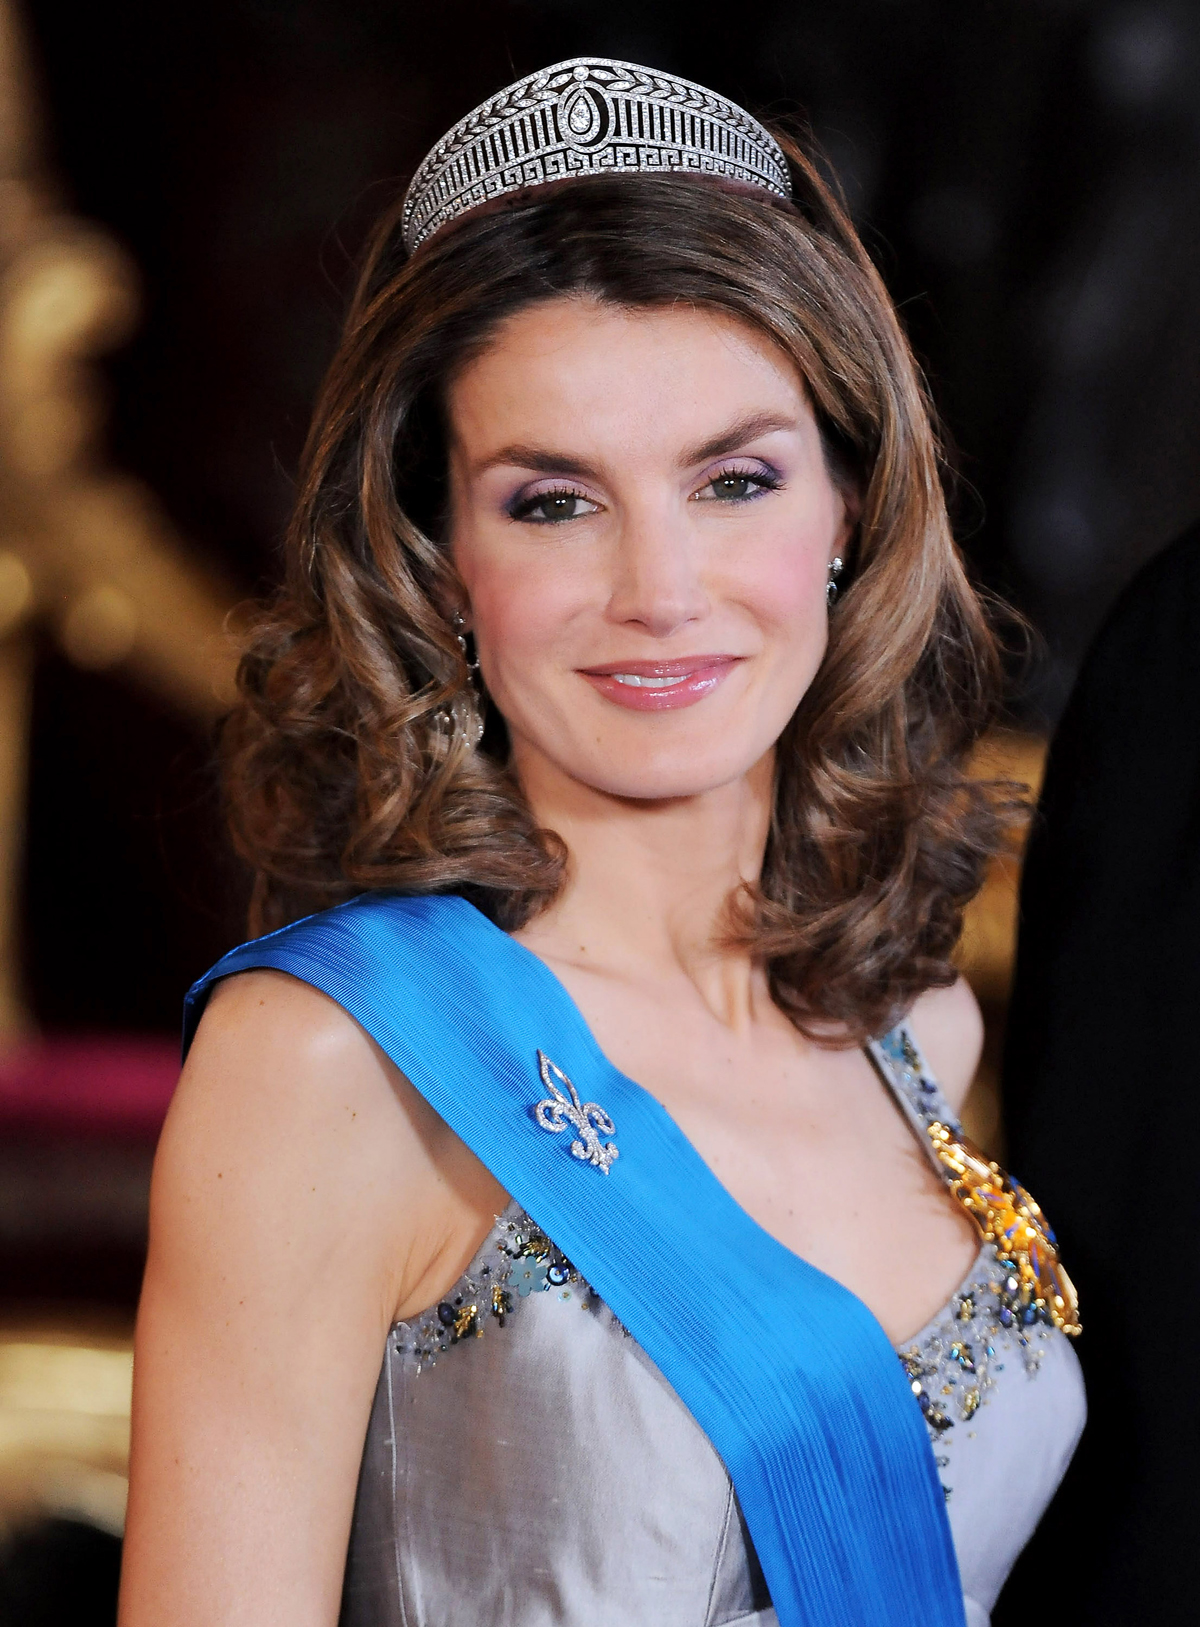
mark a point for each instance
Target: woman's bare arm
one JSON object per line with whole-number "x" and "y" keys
{"x": 303, "y": 1197}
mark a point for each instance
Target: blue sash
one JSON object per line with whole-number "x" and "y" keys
{"x": 789, "y": 1375}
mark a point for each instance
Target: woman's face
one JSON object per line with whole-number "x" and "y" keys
{"x": 643, "y": 521}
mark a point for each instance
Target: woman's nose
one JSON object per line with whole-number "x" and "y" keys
{"x": 657, "y": 582}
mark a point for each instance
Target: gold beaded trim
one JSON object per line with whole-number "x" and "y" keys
{"x": 1009, "y": 1218}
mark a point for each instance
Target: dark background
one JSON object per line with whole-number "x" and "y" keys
{"x": 1025, "y": 172}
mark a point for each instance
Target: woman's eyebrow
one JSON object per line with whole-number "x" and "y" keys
{"x": 538, "y": 458}
{"x": 737, "y": 435}
{"x": 543, "y": 460}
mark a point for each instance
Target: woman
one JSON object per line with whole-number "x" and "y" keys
{"x": 625, "y": 673}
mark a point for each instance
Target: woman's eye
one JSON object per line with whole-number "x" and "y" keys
{"x": 552, "y": 507}
{"x": 734, "y": 488}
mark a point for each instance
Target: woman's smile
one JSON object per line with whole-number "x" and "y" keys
{"x": 660, "y": 686}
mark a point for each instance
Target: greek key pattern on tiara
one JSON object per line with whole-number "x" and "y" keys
{"x": 587, "y": 116}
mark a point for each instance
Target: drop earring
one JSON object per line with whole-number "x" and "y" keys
{"x": 465, "y": 710}
{"x": 836, "y": 567}
{"x": 460, "y": 633}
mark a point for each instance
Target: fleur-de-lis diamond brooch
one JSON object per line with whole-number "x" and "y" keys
{"x": 587, "y": 1119}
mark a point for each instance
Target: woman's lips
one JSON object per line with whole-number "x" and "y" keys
{"x": 660, "y": 686}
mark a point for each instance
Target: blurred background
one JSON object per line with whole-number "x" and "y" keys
{"x": 183, "y": 191}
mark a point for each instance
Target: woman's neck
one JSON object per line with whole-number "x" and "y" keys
{"x": 648, "y": 883}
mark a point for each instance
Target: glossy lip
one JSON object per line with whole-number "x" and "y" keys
{"x": 681, "y": 682}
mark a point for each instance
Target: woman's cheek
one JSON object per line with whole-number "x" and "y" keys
{"x": 518, "y": 610}
{"x": 787, "y": 593}
{"x": 523, "y": 628}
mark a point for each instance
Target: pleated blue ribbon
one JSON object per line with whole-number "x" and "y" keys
{"x": 789, "y": 1375}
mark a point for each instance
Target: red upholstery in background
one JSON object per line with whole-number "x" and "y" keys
{"x": 106, "y": 1086}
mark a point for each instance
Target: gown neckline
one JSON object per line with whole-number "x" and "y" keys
{"x": 628, "y": 1083}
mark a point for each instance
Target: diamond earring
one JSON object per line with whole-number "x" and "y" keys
{"x": 836, "y": 567}
{"x": 460, "y": 633}
{"x": 465, "y": 711}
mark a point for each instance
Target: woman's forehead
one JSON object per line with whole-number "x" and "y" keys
{"x": 603, "y": 370}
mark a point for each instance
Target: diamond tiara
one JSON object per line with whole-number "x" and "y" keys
{"x": 588, "y": 116}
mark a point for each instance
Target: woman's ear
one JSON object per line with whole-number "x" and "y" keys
{"x": 451, "y": 600}
{"x": 851, "y": 499}
{"x": 848, "y": 482}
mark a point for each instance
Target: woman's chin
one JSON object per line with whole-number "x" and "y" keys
{"x": 669, "y": 778}
{"x": 644, "y": 764}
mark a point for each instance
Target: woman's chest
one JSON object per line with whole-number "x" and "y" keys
{"x": 813, "y": 1146}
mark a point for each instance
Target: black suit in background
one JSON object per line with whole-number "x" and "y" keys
{"x": 1102, "y": 1093}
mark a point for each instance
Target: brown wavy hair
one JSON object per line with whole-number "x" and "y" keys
{"x": 341, "y": 775}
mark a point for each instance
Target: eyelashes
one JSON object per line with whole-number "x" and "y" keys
{"x": 551, "y": 507}
{"x": 728, "y": 485}
{"x": 732, "y": 484}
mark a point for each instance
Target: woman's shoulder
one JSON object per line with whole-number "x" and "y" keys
{"x": 273, "y": 1010}
{"x": 947, "y": 1025}
{"x": 290, "y": 1122}
{"x": 270, "y": 1042}
{"x": 281, "y": 1070}
{"x": 284, "y": 1106}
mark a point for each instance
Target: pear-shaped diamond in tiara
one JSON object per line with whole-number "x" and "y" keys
{"x": 584, "y": 116}
{"x": 578, "y": 112}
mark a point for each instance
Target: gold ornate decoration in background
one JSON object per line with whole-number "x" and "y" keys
{"x": 64, "y": 1424}
{"x": 84, "y": 551}
{"x": 989, "y": 932}
{"x": 986, "y": 954}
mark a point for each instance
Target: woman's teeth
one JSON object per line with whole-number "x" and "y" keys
{"x": 638, "y": 682}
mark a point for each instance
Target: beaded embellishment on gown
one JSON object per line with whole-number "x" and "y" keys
{"x": 1017, "y": 1292}
{"x": 1005, "y": 1215}
{"x": 518, "y": 1260}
